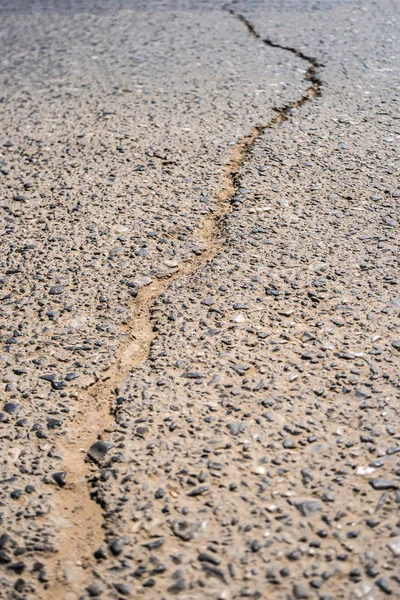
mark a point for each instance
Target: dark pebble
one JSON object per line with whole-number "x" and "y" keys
{"x": 123, "y": 589}
{"x": 383, "y": 484}
{"x": 98, "y": 450}
{"x": 384, "y": 585}
{"x": 116, "y": 546}
{"x": 56, "y": 290}
{"x": 12, "y": 407}
{"x": 60, "y": 478}
{"x": 94, "y": 589}
{"x": 155, "y": 544}
{"x": 300, "y": 592}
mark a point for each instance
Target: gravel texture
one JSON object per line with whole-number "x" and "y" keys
{"x": 200, "y": 300}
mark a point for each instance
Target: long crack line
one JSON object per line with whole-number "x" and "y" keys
{"x": 76, "y": 502}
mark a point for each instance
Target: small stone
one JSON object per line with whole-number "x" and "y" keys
{"x": 4, "y": 558}
{"x": 371, "y": 522}
{"x": 95, "y": 589}
{"x": 213, "y": 571}
{"x": 383, "y": 484}
{"x": 237, "y": 428}
{"x": 289, "y": 444}
{"x": 300, "y": 592}
{"x": 116, "y": 546}
{"x": 384, "y": 585}
{"x": 160, "y": 493}
{"x": 12, "y": 408}
{"x": 171, "y": 264}
{"x": 58, "y": 385}
{"x": 365, "y": 470}
{"x": 308, "y": 507}
{"x": 198, "y": 491}
{"x": 71, "y": 376}
{"x": 210, "y": 558}
{"x": 100, "y": 554}
{"x": 389, "y": 221}
{"x": 184, "y": 529}
{"x": 394, "y": 546}
{"x": 60, "y": 478}
{"x": 155, "y": 544}
{"x": 123, "y": 588}
{"x": 178, "y": 586}
{"x": 208, "y": 301}
{"x": 285, "y": 313}
{"x": 56, "y": 290}
{"x": 98, "y": 450}
{"x": 328, "y": 497}
{"x": 17, "y": 567}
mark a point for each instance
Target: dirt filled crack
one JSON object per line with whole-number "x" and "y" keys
{"x": 76, "y": 502}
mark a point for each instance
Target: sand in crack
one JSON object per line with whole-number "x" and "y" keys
{"x": 83, "y": 518}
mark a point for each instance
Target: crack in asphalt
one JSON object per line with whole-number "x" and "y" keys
{"x": 77, "y": 504}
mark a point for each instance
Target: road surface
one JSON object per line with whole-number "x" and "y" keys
{"x": 200, "y": 299}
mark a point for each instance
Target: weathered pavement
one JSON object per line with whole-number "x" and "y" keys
{"x": 200, "y": 302}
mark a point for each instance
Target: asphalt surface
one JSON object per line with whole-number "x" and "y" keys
{"x": 200, "y": 300}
